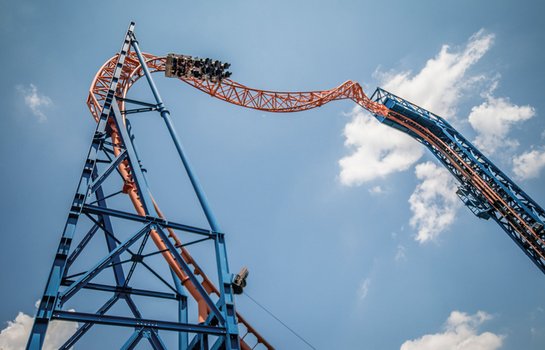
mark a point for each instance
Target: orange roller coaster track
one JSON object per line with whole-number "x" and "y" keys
{"x": 484, "y": 189}
{"x": 522, "y": 225}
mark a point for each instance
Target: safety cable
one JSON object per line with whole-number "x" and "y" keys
{"x": 280, "y": 321}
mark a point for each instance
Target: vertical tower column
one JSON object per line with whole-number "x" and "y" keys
{"x": 226, "y": 301}
{"x": 49, "y": 300}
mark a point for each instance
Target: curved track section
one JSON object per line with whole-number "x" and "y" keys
{"x": 526, "y": 230}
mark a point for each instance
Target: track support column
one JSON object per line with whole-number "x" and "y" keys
{"x": 226, "y": 292}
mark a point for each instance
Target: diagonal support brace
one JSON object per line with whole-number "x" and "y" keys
{"x": 176, "y": 255}
{"x": 89, "y": 275}
{"x": 99, "y": 180}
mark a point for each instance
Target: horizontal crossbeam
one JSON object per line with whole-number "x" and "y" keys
{"x": 133, "y": 322}
{"x": 138, "y": 110}
{"x": 137, "y": 102}
{"x": 93, "y": 209}
{"x": 124, "y": 290}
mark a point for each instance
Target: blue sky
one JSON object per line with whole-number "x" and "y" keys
{"x": 325, "y": 207}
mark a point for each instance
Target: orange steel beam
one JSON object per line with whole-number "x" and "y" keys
{"x": 98, "y": 90}
{"x": 278, "y": 102}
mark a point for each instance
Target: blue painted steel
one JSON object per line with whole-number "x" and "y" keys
{"x": 124, "y": 290}
{"x": 224, "y": 276}
{"x": 49, "y": 300}
{"x": 83, "y": 280}
{"x": 153, "y": 338}
{"x": 80, "y": 332}
{"x": 183, "y": 337}
{"x": 62, "y": 285}
{"x": 113, "y": 165}
{"x": 122, "y": 321}
{"x": 82, "y": 244}
{"x": 165, "y": 114}
{"x": 149, "y": 208}
{"x": 176, "y": 255}
{"x": 521, "y": 218}
{"x": 105, "y": 222}
{"x": 148, "y": 333}
{"x": 119, "y": 275}
{"x": 93, "y": 209}
{"x": 133, "y": 340}
{"x": 200, "y": 342}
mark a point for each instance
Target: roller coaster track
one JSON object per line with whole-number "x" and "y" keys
{"x": 490, "y": 189}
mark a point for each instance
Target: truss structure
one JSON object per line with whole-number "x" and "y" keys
{"x": 483, "y": 188}
{"x": 113, "y": 153}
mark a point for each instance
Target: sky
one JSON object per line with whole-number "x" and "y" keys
{"x": 352, "y": 231}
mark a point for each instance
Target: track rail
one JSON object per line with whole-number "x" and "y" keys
{"x": 530, "y": 238}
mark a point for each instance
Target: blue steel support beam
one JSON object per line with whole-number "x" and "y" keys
{"x": 441, "y": 128}
{"x": 49, "y": 299}
{"x": 514, "y": 233}
{"x": 150, "y": 210}
{"x": 82, "y": 244}
{"x": 111, "y": 167}
{"x": 217, "y": 345}
{"x": 516, "y": 212}
{"x": 117, "y": 269}
{"x": 89, "y": 275}
{"x": 119, "y": 274}
{"x": 138, "y": 176}
{"x": 80, "y": 332}
{"x": 197, "y": 343}
{"x": 125, "y": 290}
{"x": 224, "y": 276}
{"x": 200, "y": 342}
{"x": 133, "y": 340}
{"x": 183, "y": 337}
{"x": 154, "y": 339}
{"x": 98, "y": 210}
{"x": 132, "y": 305}
{"x": 189, "y": 272}
{"x": 227, "y": 319}
{"x": 91, "y": 184}
{"x": 132, "y": 322}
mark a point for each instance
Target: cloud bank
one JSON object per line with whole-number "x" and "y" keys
{"x": 529, "y": 164}
{"x": 439, "y": 85}
{"x": 434, "y": 202}
{"x": 377, "y": 150}
{"x": 15, "y": 335}
{"x": 493, "y": 120}
{"x": 460, "y": 333}
{"x": 35, "y": 101}
{"x": 363, "y": 289}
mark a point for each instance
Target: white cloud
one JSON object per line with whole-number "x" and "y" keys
{"x": 401, "y": 254}
{"x": 460, "y": 334}
{"x": 529, "y": 164}
{"x": 376, "y": 190}
{"x": 35, "y": 100}
{"x": 363, "y": 290}
{"x": 378, "y": 151}
{"x": 493, "y": 120}
{"x": 439, "y": 85}
{"x": 15, "y": 335}
{"x": 434, "y": 201}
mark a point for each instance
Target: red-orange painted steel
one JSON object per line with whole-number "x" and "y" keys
{"x": 278, "y": 102}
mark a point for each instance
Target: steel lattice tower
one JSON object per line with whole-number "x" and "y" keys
{"x": 483, "y": 188}
{"x": 112, "y": 151}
